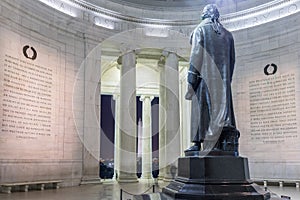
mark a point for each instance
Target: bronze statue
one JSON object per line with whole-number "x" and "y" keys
{"x": 209, "y": 84}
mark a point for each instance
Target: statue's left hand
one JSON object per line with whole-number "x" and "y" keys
{"x": 190, "y": 93}
{"x": 188, "y": 96}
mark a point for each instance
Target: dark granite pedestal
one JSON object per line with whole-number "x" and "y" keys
{"x": 212, "y": 178}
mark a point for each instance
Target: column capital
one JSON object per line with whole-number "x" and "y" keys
{"x": 168, "y": 51}
{"x": 127, "y": 48}
{"x": 161, "y": 62}
{"x": 144, "y": 97}
{"x": 116, "y": 96}
{"x": 119, "y": 60}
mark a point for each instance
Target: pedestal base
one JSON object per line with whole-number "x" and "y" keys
{"x": 161, "y": 196}
{"x": 213, "y": 178}
{"x": 179, "y": 190}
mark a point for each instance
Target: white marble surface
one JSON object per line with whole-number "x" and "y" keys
{"x": 292, "y": 192}
{"x": 110, "y": 190}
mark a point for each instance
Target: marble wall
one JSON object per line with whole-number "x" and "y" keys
{"x": 266, "y": 97}
{"x": 42, "y": 136}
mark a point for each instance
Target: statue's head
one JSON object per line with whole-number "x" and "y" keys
{"x": 210, "y": 11}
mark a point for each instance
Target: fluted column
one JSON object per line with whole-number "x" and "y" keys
{"x": 117, "y": 146}
{"x": 172, "y": 114}
{"x": 147, "y": 138}
{"x": 162, "y": 117}
{"x": 128, "y": 117}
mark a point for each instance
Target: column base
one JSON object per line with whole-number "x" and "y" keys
{"x": 170, "y": 173}
{"x": 125, "y": 177}
{"x": 146, "y": 177}
{"x": 168, "y": 179}
{"x": 161, "y": 174}
{"x": 90, "y": 180}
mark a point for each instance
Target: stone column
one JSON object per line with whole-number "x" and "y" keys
{"x": 162, "y": 118}
{"x": 147, "y": 138}
{"x": 117, "y": 148}
{"x": 128, "y": 117}
{"x": 172, "y": 114}
{"x": 185, "y": 110}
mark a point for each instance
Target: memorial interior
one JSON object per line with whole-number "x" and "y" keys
{"x": 58, "y": 57}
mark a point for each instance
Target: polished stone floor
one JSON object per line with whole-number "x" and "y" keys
{"x": 110, "y": 190}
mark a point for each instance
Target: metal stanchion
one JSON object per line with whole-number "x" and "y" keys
{"x": 265, "y": 183}
{"x": 121, "y": 194}
{"x": 280, "y": 183}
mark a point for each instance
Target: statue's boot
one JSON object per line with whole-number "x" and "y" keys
{"x": 195, "y": 147}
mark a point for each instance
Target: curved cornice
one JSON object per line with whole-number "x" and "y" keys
{"x": 234, "y": 21}
{"x": 161, "y": 4}
{"x": 109, "y": 13}
{"x": 265, "y": 13}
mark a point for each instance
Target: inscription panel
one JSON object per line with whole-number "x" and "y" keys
{"x": 27, "y": 99}
{"x": 266, "y": 102}
{"x": 29, "y": 95}
{"x": 273, "y": 117}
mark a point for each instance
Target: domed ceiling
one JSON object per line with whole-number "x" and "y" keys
{"x": 178, "y": 5}
{"x": 161, "y": 14}
{"x": 176, "y": 10}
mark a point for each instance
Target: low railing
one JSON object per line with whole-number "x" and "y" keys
{"x": 153, "y": 188}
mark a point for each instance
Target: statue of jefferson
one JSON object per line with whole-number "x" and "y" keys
{"x": 209, "y": 83}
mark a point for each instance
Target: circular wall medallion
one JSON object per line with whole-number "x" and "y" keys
{"x": 270, "y": 69}
{"x": 25, "y": 52}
